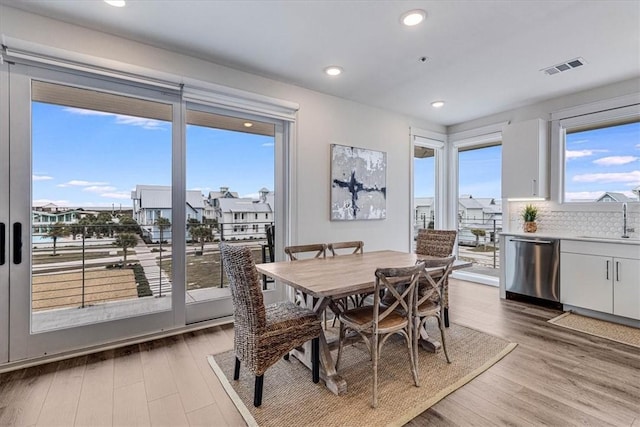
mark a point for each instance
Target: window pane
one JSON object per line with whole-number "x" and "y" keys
{"x": 603, "y": 164}
{"x": 480, "y": 207}
{"x": 230, "y": 197}
{"x": 424, "y": 188}
{"x": 90, "y": 149}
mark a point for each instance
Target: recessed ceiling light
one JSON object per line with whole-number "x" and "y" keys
{"x": 247, "y": 124}
{"x": 115, "y": 3}
{"x": 413, "y": 17}
{"x": 333, "y": 70}
{"x": 437, "y": 104}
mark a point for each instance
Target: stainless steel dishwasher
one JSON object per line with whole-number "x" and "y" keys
{"x": 533, "y": 267}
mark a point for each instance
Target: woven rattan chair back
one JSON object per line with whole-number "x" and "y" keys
{"x": 354, "y": 247}
{"x": 246, "y": 293}
{"x": 435, "y": 242}
{"x": 318, "y": 250}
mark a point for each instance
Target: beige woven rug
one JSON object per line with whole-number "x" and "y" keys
{"x": 290, "y": 398}
{"x": 599, "y": 328}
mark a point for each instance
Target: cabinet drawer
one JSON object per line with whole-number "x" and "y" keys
{"x": 600, "y": 248}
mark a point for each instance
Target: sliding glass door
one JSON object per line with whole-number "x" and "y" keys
{"x": 82, "y": 269}
{"x": 231, "y": 197}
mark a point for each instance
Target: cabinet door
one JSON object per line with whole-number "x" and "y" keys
{"x": 626, "y": 287}
{"x": 524, "y": 159}
{"x": 586, "y": 281}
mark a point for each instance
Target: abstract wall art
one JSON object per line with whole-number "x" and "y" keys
{"x": 358, "y": 183}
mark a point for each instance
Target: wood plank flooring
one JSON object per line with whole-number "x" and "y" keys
{"x": 554, "y": 377}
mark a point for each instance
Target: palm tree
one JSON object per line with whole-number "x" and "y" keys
{"x": 200, "y": 234}
{"x": 57, "y": 230}
{"x": 125, "y": 241}
{"x": 128, "y": 225}
{"x": 162, "y": 223}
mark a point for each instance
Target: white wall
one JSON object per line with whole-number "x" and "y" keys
{"x": 322, "y": 120}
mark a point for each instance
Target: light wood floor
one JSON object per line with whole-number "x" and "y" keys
{"x": 555, "y": 377}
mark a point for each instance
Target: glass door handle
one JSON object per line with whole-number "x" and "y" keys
{"x": 17, "y": 243}
{"x": 3, "y": 242}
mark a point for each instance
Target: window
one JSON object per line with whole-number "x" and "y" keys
{"x": 602, "y": 161}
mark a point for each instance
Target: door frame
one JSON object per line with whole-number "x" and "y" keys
{"x": 23, "y": 344}
{"x": 4, "y": 211}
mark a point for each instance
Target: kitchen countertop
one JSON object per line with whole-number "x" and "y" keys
{"x": 634, "y": 240}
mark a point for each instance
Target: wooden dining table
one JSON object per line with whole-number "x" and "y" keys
{"x": 323, "y": 281}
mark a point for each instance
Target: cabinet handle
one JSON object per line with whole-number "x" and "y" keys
{"x": 617, "y": 271}
{"x": 2, "y": 243}
{"x": 17, "y": 243}
{"x": 607, "y": 270}
{"x": 533, "y": 187}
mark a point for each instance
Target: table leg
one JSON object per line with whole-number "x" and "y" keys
{"x": 334, "y": 382}
{"x": 427, "y": 343}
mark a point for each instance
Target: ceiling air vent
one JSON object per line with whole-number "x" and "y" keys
{"x": 569, "y": 65}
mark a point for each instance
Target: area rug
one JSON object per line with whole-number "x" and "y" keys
{"x": 599, "y": 328}
{"x": 290, "y": 398}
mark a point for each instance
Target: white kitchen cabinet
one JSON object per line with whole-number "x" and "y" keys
{"x": 603, "y": 277}
{"x": 525, "y": 170}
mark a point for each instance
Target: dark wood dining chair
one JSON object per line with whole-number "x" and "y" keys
{"x": 428, "y": 300}
{"x": 264, "y": 334}
{"x": 353, "y": 247}
{"x": 296, "y": 252}
{"x": 376, "y": 323}
{"x": 348, "y": 248}
{"x": 438, "y": 243}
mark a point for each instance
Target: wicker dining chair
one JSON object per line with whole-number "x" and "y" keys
{"x": 438, "y": 243}
{"x": 376, "y": 323}
{"x": 264, "y": 334}
{"x": 428, "y": 299}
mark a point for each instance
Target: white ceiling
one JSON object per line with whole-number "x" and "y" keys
{"x": 484, "y": 56}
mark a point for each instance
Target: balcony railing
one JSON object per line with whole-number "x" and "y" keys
{"x": 478, "y": 243}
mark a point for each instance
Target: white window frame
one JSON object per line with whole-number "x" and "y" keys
{"x": 437, "y": 142}
{"x": 611, "y": 110}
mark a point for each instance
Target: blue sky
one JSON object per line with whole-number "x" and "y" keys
{"x": 90, "y": 158}
{"x": 479, "y": 173}
{"x": 602, "y": 160}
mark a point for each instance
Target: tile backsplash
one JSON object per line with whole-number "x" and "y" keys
{"x": 592, "y": 221}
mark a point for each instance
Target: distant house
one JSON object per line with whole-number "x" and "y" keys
{"x": 614, "y": 197}
{"x": 151, "y": 202}
{"x": 243, "y": 218}
{"x": 44, "y": 216}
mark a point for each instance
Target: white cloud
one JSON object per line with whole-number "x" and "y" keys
{"x": 268, "y": 144}
{"x": 638, "y": 146}
{"x": 41, "y": 178}
{"x": 626, "y": 177}
{"x": 121, "y": 119}
{"x": 576, "y": 154}
{"x": 615, "y": 160}
{"x": 117, "y": 195}
{"x": 99, "y": 188}
{"x": 81, "y": 183}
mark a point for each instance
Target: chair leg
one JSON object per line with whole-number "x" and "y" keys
{"x": 286, "y": 356}
{"x": 236, "y": 370}
{"x": 374, "y": 357}
{"x": 446, "y": 317}
{"x": 257, "y": 391}
{"x": 415, "y": 342}
{"x": 444, "y": 344}
{"x": 412, "y": 355}
{"x": 315, "y": 360}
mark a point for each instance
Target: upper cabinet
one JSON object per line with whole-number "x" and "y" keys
{"x": 525, "y": 153}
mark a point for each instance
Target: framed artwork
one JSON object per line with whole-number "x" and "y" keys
{"x": 358, "y": 183}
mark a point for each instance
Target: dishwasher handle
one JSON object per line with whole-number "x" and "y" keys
{"x": 542, "y": 242}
